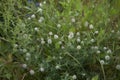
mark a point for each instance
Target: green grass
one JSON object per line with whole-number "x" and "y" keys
{"x": 60, "y": 40}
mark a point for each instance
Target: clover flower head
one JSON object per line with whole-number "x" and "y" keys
{"x": 71, "y": 35}
{"x": 102, "y": 62}
{"x": 50, "y": 33}
{"x": 104, "y": 48}
{"x": 57, "y": 66}
{"x": 58, "y": 25}
{"x": 56, "y": 36}
{"x": 44, "y": 2}
{"x": 73, "y": 20}
{"x": 28, "y": 54}
{"x": 42, "y": 69}
{"x": 118, "y": 67}
{"x": 78, "y": 47}
{"x": 78, "y": 40}
{"x": 36, "y": 29}
{"x": 32, "y": 72}
{"x": 74, "y": 77}
{"x": 96, "y": 32}
{"x": 92, "y": 40}
{"x": 24, "y": 50}
{"x": 107, "y": 57}
{"x": 42, "y": 42}
{"x": 40, "y": 4}
{"x": 78, "y": 33}
{"x": 49, "y": 41}
{"x": 33, "y": 16}
{"x": 98, "y": 51}
{"x": 40, "y": 10}
{"x": 86, "y": 24}
{"x": 91, "y": 26}
{"x": 24, "y": 66}
{"x": 109, "y": 51}
{"x": 41, "y": 19}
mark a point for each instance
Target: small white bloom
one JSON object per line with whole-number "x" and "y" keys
{"x": 24, "y": 66}
{"x": 25, "y": 36}
{"x": 41, "y": 19}
{"x": 33, "y": 16}
{"x": 107, "y": 57}
{"x": 92, "y": 40}
{"x": 49, "y": 41}
{"x": 50, "y": 33}
{"x": 42, "y": 39}
{"x": 29, "y": 18}
{"x": 71, "y": 35}
{"x": 24, "y": 50}
{"x": 60, "y": 42}
{"x": 112, "y": 31}
{"x": 32, "y": 72}
{"x": 44, "y": 2}
{"x": 109, "y": 51}
{"x": 86, "y": 24}
{"x": 36, "y": 29}
{"x": 15, "y": 45}
{"x": 28, "y": 54}
{"x": 91, "y": 26}
{"x": 78, "y": 39}
{"x": 58, "y": 25}
{"x": 63, "y": 47}
{"x": 54, "y": 57}
{"x": 85, "y": 39}
{"x": 56, "y": 36}
{"x": 96, "y": 32}
{"x": 102, "y": 62}
{"x": 104, "y": 48}
{"x": 60, "y": 57}
{"x": 27, "y": 58}
{"x": 42, "y": 69}
{"x": 57, "y": 67}
{"x": 42, "y": 42}
{"x": 83, "y": 74}
{"x": 96, "y": 47}
{"x": 74, "y": 77}
{"x": 73, "y": 20}
{"x": 39, "y": 10}
{"x": 98, "y": 52}
{"x": 41, "y": 4}
{"x": 78, "y": 33}
{"x": 78, "y": 47}
{"x": 118, "y": 67}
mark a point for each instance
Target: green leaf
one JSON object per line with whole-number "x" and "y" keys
{"x": 57, "y": 45}
{"x": 8, "y": 75}
{"x": 95, "y": 77}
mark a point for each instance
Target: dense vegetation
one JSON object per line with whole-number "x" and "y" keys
{"x": 60, "y": 40}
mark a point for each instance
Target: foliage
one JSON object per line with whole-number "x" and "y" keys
{"x": 59, "y": 40}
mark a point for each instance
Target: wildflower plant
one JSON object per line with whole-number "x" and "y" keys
{"x": 59, "y": 40}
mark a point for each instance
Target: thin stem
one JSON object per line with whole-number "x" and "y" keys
{"x": 103, "y": 71}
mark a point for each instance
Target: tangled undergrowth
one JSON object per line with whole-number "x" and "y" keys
{"x": 60, "y": 40}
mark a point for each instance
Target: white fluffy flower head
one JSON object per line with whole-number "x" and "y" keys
{"x": 32, "y": 72}
{"x": 78, "y": 47}
{"x": 24, "y": 66}
{"x": 49, "y": 41}
{"x": 74, "y": 77}
{"x": 91, "y": 26}
{"x": 42, "y": 69}
{"x": 107, "y": 57}
{"x": 73, "y": 20}
{"x": 56, "y": 36}
{"x": 58, "y": 25}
